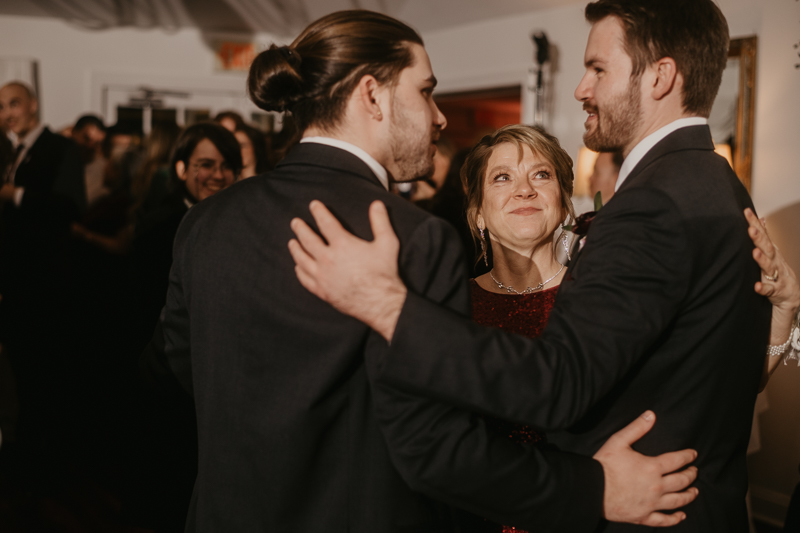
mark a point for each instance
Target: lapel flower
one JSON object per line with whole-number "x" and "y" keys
{"x": 582, "y": 222}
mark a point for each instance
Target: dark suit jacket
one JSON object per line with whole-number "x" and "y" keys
{"x": 52, "y": 168}
{"x": 657, "y": 312}
{"x": 35, "y": 233}
{"x": 288, "y": 434}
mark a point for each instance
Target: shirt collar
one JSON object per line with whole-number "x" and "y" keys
{"x": 646, "y": 144}
{"x": 377, "y": 168}
{"x": 31, "y": 137}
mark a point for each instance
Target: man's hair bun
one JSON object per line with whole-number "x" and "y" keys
{"x": 275, "y": 82}
{"x": 314, "y": 77}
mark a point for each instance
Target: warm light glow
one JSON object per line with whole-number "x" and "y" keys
{"x": 584, "y": 169}
{"x": 725, "y": 151}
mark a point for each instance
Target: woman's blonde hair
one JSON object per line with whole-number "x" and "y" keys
{"x": 541, "y": 143}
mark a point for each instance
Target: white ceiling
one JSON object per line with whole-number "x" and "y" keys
{"x": 280, "y": 17}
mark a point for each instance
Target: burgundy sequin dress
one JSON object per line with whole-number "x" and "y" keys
{"x": 525, "y": 314}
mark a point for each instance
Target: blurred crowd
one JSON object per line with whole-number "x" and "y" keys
{"x": 88, "y": 215}
{"x": 87, "y": 219}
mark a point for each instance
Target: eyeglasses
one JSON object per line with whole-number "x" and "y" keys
{"x": 208, "y": 167}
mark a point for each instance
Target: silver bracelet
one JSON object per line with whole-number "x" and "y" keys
{"x": 794, "y": 333}
{"x": 779, "y": 349}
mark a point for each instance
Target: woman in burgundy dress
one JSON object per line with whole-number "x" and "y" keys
{"x": 518, "y": 183}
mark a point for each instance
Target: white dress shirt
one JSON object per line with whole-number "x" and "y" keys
{"x": 26, "y": 143}
{"x": 370, "y": 161}
{"x": 646, "y": 144}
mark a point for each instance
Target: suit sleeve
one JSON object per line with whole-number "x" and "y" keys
{"x": 616, "y": 302}
{"x": 167, "y": 357}
{"x": 449, "y": 453}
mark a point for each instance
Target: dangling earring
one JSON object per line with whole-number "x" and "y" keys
{"x": 564, "y": 241}
{"x": 483, "y": 245}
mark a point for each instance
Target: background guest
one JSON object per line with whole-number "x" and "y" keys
{"x": 230, "y": 120}
{"x": 449, "y": 203}
{"x": 43, "y": 192}
{"x": 163, "y": 454}
{"x": 151, "y": 182}
{"x": 88, "y": 133}
{"x": 603, "y": 178}
{"x": 255, "y": 157}
{"x": 426, "y": 188}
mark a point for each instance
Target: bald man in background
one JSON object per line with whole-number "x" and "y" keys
{"x": 42, "y": 193}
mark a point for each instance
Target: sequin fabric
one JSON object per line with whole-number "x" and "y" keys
{"x": 525, "y": 314}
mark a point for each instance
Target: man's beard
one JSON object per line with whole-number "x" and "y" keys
{"x": 411, "y": 149}
{"x": 618, "y": 123}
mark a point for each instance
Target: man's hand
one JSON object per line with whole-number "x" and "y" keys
{"x": 357, "y": 277}
{"x": 638, "y": 486}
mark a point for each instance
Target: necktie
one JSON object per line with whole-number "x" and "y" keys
{"x": 11, "y": 170}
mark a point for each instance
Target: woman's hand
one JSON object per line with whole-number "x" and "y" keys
{"x": 778, "y": 280}
{"x": 779, "y": 284}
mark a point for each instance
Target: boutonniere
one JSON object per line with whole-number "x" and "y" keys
{"x": 582, "y": 223}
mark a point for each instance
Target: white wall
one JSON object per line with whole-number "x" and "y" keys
{"x": 74, "y": 63}
{"x": 499, "y": 52}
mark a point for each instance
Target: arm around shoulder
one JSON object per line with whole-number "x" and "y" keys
{"x": 615, "y": 301}
{"x": 450, "y": 454}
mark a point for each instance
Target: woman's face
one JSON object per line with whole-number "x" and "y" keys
{"x": 207, "y": 172}
{"x": 247, "y": 149}
{"x": 521, "y": 198}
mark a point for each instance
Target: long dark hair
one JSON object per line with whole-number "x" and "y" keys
{"x": 314, "y": 76}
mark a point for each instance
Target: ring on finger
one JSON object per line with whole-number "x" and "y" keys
{"x": 773, "y": 277}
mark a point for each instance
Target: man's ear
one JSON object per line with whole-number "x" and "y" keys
{"x": 180, "y": 170}
{"x": 666, "y": 76}
{"x": 34, "y": 106}
{"x": 370, "y": 96}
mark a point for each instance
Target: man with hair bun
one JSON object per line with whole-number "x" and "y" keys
{"x": 293, "y": 433}
{"x": 656, "y": 311}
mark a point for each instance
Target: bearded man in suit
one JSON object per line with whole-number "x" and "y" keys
{"x": 289, "y": 438}
{"x": 656, "y": 311}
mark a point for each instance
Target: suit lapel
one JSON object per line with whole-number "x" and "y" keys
{"x": 22, "y": 172}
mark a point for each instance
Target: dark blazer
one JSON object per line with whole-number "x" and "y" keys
{"x": 33, "y": 245}
{"x": 657, "y": 312}
{"x": 288, "y": 425}
{"x": 52, "y": 168}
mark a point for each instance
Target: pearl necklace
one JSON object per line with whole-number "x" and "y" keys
{"x": 529, "y": 290}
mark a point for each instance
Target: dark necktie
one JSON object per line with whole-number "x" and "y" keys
{"x": 11, "y": 170}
